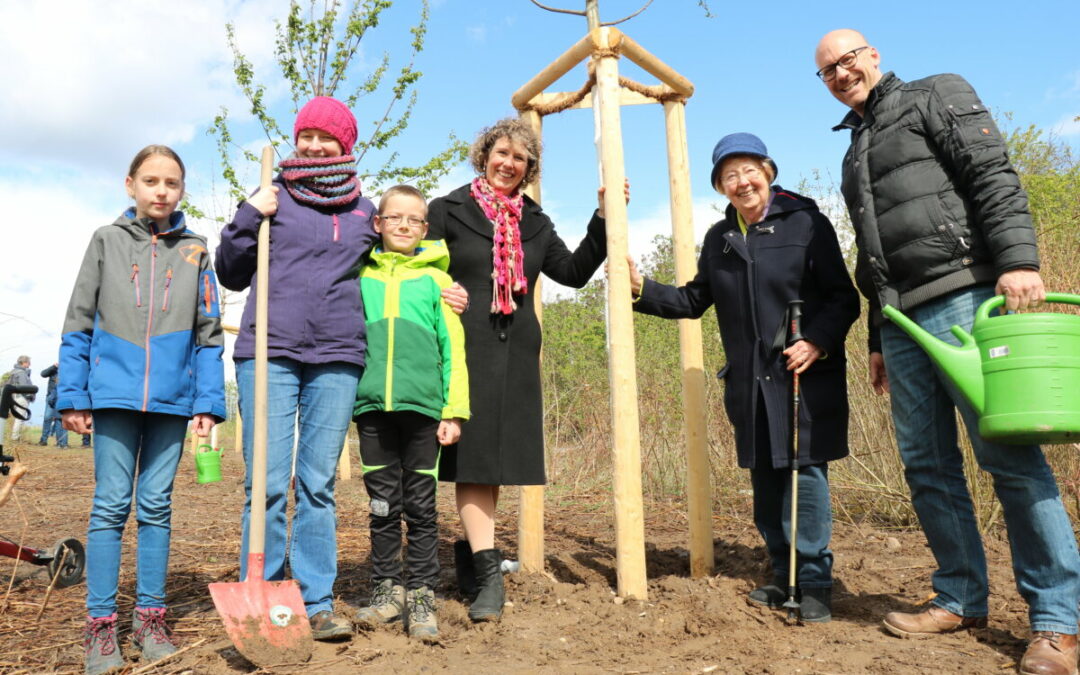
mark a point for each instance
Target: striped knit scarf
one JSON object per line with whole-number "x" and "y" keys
{"x": 508, "y": 268}
{"x": 321, "y": 181}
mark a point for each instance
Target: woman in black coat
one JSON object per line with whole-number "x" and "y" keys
{"x": 499, "y": 242}
{"x": 772, "y": 247}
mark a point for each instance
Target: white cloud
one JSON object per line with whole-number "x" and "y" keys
{"x": 1067, "y": 126}
{"x": 45, "y": 233}
{"x": 112, "y": 77}
{"x": 477, "y": 33}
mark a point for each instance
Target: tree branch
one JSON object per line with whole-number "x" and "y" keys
{"x": 557, "y": 10}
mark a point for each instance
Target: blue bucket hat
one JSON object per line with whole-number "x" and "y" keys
{"x": 739, "y": 144}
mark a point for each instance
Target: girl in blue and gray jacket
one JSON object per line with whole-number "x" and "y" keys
{"x": 140, "y": 356}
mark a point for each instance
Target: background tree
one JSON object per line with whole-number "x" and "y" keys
{"x": 316, "y": 50}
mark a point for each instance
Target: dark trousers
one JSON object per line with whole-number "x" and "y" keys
{"x": 400, "y": 458}
{"x": 772, "y": 516}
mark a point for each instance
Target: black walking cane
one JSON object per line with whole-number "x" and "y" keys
{"x": 794, "y": 335}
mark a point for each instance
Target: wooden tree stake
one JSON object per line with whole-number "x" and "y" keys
{"x": 238, "y": 429}
{"x": 629, "y": 521}
{"x": 699, "y": 495}
{"x": 608, "y": 93}
{"x": 344, "y": 462}
{"x": 531, "y": 500}
{"x": 562, "y": 65}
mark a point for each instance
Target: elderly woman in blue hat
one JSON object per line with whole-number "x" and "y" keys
{"x": 774, "y": 246}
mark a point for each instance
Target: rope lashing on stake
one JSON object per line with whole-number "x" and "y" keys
{"x": 567, "y": 100}
{"x": 657, "y": 92}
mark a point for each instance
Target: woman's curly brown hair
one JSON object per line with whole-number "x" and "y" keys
{"x": 515, "y": 129}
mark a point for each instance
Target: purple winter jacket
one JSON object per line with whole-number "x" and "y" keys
{"x": 316, "y": 315}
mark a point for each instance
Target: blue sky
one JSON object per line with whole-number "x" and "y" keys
{"x": 115, "y": 76}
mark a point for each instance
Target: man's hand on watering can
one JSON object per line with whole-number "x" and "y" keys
{"x": 1021, "y": 288}
{"x": 879, "y": 380}
{"x": 801, "y": 355}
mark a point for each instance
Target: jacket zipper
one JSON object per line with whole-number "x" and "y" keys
{"x": 168, "y": 282}
{"x": 208, "y": 293}
{"x": 135, "y": 281}
{"x": 391, "y": 308}
{"x": 337, "y": 228}
{"x": 149, "y": 322}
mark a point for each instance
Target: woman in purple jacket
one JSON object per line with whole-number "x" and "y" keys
{"x": 320, "y": 232}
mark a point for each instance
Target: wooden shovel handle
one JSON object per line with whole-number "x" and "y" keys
{"x": 257, "y": 525}
{"x": 18, "y": 470}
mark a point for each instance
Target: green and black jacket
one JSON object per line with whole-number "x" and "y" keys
{"x": 415, "y": 345}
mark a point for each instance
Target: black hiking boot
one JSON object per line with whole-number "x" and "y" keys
{"x": 491, "y": 595}
{"x": 771, "y": 595}
{"x": 816, "y": 605}
{"x": 465, "y": 570}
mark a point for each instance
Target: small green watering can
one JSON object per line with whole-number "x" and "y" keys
{"x": 207, "y": 464}
{"x": 1021, "y": 372}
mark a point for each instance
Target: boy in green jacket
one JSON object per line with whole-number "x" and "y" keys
{"x": 414, "y": 392}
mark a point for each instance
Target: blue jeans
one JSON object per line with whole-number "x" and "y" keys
{"x": 130, "y": 442}
{"x": 323, "y": 395}
{"x": 53, "y": 426}
{"x": 772, "y": 515}
{"x": 1044, "y": 554}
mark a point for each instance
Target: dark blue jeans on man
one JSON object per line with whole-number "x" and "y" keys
{"x": 924, "y": 405}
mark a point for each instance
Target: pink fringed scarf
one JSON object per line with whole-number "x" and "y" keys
{"x": 508, "y": 256}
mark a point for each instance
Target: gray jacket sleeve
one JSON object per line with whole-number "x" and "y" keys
{"x": 73, "y": 387}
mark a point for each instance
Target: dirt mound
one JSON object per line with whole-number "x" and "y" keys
{"x": 567, "y": 619}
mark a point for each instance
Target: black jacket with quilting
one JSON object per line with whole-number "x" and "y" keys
{"x": 934, "y": 200}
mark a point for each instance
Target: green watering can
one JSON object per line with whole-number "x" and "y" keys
{"x": 1020, "y": 372}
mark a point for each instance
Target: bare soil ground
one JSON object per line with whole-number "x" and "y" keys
{"x": 567, "y": 620}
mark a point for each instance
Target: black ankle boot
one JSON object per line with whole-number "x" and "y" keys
{"x": 466, "y": 572}
{"x": 491, "y": 595}
{"x": 816, "y": 605}
{"x": 771, "y": 595}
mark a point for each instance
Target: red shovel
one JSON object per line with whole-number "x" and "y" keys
{"x": 266, "y": 620}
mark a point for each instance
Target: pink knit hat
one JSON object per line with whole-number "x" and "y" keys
{"x": 329, "y": 115}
